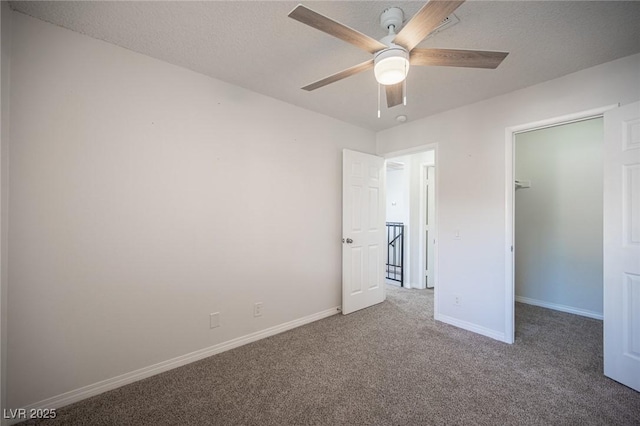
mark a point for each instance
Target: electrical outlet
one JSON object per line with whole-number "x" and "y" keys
{"x": 456, "y": 300}
{"x": 214, "y": 320}
{"x": 257, "y": 309}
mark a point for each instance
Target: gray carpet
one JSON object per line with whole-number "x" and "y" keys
{"x": 391, "y": 364}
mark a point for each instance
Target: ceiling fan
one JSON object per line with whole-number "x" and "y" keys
{"x": 393, "y": 54}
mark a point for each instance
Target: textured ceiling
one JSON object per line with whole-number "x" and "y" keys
{"x": 272, "y": 54}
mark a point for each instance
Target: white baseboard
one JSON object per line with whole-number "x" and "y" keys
{"x": 472, "y": 327}
{"x": 142, "y": 373}
{"x": 561, "y": 308}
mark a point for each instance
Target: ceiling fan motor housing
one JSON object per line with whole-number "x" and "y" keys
{"x": 393, "y": 16}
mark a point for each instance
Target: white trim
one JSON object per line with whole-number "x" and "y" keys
{"x": 510, "y": 132}
{"x": 509, "y": 268}
{"x": 422, "y": 280}
{"x": 472, "y": 327}
{"x": 142, "y": 373}
{"x": 422, "y": 252}
{"x": 414, "y": 150}
{"x": 561, "y": 308}
{"x": 564, "y": 119}
{"x": 436, "y": 220}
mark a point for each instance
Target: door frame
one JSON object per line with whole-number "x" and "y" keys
{"x": 424, "y": 216}
{"x": 510, "y": 135}
{"x": 417, "y": 150}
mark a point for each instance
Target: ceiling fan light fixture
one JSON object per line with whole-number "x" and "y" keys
{"x": 391, "y": 65}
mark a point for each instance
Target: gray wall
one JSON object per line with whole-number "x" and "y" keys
{"x": 143, "y": 197}
{"x": 397, "y": 195}
{"x": 5, "y": 39}
{"x": 558, "y": 221}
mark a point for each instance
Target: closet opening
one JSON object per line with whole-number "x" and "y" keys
{"x": 558, "y": 217}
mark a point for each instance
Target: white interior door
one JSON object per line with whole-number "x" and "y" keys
{"x": 622, "y": 245}
{"x": 363, "y": 230}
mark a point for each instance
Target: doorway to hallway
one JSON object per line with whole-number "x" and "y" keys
{"x": 410, "y": 217}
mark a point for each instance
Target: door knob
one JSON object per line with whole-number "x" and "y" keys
{"x": 349, "y": 240}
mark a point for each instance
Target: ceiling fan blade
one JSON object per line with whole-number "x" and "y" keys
{"x": 336, "y": 29}
{"x": 394, "y": 94}
{"x": 425, "y": 21}
{"x": 340, "y": 75}
{"x": 457, "y": 58}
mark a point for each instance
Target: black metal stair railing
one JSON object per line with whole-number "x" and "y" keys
{"x": 395, "y": 252}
